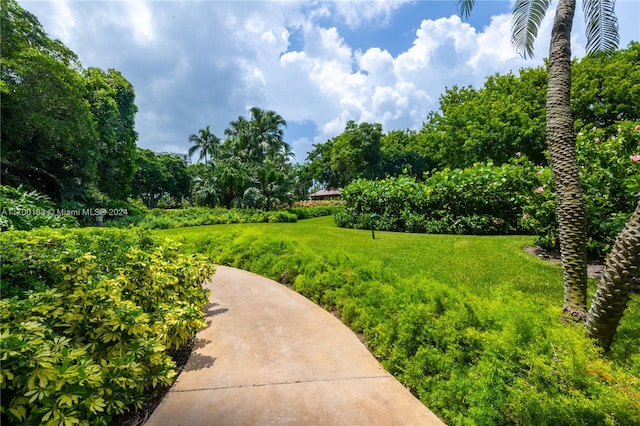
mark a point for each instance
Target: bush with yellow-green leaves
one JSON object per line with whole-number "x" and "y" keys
{"x": 86, "y": 320}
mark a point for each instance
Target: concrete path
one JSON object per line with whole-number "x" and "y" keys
{"x": 272, "y": 357}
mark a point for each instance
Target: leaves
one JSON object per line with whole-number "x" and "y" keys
{"x": 465, "y": 7}
{"x": 601, "y": 26}
{"x": 96, "y": 342}
{"x": 525, "y": 22}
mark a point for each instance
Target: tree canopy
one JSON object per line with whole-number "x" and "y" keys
{"x": 66, "y": 132}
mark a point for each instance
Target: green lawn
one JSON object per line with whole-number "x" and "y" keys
{"x": 470, "y": 324}
{"x": 466, "y": 261}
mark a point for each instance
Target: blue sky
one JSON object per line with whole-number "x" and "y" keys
{"x": 318, "y": 64}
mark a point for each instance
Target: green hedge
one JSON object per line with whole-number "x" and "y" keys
{"x": 87, "y": 319}
{"x": 514, "y": 198}
{"x": 483, "y": 199}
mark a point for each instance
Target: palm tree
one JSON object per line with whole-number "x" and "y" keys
{"x": 621, "y": 272}
{"x": 238, "y": 143}
{"x": 267, "y": 134}
{"x": 602, "y": 36}
{"x": 206, "y": 142}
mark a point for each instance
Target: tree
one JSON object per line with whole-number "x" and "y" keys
{"x": 258, "y": 138}
{"x": 160, "y": 175}
{"x": 494, "y": 122}
{"x": 267, "y": 134}
{"x": 353, "y": 154}
{"x": 48, "y": 131}
{"x": 111, "y": 98}
{"x": 177, "y": 182}
{"x": 207, "y": 143}
{"x": 602, "y": 36}
{"x": 606, "y": 91}
{"x": 621, "y": 270}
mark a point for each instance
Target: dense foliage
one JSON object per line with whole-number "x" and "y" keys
{"x": 25, "y": 210}
{"x": 66, "y": 132}
{"x": 483, "y": 199}
{"x": 250, "y": 168}
{"x": 490, "y": 351}
{"x": 160, "y": 178}
{"x": 609, "y": 163}
{"x": 515, "y": 197}
{"x": 489, "y": 124}
{"x": 87, "y": 319}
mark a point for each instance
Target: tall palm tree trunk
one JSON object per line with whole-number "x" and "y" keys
{"x": 566, "y": 179}
{"x": 621, "y": 272}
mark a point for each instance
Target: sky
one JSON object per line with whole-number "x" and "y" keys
{"x": 318, "y": 64}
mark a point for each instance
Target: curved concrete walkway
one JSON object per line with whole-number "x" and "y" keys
{"x": 271, "y": 357}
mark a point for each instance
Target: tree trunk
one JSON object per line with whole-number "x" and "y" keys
{"x": 621, "y": 272}
{"x": 566, "y": 179}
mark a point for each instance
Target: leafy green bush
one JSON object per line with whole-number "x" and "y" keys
{"x": 493, "y": 356}
{"x": 483, "y": 199}
{"x": 314, "y": 211}
{"x": 22, "y": 210}
{"x": 609, "y": 164}
{"x": 91, "y": 316}
{"x": 196, "y": 216}
{"x": 517, "y": 197}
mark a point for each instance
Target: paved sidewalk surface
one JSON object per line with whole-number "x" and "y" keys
{"x": 271, "y": 357}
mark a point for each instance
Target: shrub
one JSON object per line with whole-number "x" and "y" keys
{"x": 22, "y": 210}
{"x": 483, "y": 199}
{"x": 84, "y": 336}
{"x": 610, "y": 177}
{"x": 517, "y": 197}
{"x": 196, "y": 216}
{"x": 314, "y": 211}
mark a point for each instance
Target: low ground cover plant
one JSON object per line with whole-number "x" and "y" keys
{"x": 87, "y": 319}
{"x": 196, "y": 216}
{"x": 24, "y": 210}
{"x": 469, "y": 324}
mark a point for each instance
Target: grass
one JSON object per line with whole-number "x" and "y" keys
{"x": 457, "y": 260}
{"x": 470, "y": 324}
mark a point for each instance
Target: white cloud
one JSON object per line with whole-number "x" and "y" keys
{"x": 357, "y": 13}
{"x": 204, "y": 63}
{"x": 65, "y": 21}
{"x": 140, "y": 20}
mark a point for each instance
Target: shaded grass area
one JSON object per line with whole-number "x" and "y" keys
{"x": 470, "y": 324}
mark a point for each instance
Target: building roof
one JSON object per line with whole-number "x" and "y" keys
{"x": 326, "y": 193}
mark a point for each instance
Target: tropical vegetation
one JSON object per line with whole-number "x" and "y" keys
{"x": 88, "y": 319}
{"x": 251, "y": 168}
{"x": 622, "y": 265}
{"x": 469, "y": 324}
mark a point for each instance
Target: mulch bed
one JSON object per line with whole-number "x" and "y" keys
{"x": 594, "y": 267}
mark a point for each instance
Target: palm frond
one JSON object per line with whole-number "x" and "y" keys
{"x": 465, "y": 7}
{"x": 525, "y": 22}
{"x": 602, "y": 25}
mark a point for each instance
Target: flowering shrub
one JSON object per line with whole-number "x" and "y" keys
{"x": 609, "y": 166}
